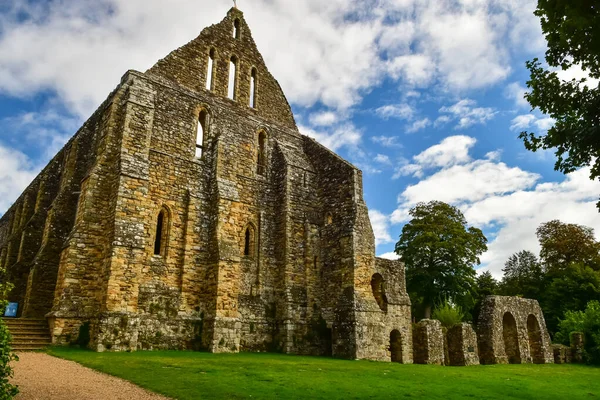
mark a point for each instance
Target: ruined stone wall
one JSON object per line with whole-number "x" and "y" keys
{"x": 513, "y": 330}
{"x": 462, "y": 345}
{"x": 262, "y": 242}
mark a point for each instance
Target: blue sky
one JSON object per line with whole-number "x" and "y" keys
{"x": 425, "y": 96}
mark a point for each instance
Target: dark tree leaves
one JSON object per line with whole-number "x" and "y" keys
{"x": 439, "y": 251}
{"x": 572, "y": 30}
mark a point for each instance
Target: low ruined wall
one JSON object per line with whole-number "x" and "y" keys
{"x": 428, "y": 342}
{"x": 462, "y": 345}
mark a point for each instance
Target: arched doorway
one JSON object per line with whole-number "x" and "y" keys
{"x": 511, "y": 339}
{"x": 377, "y": 286}
{"x": 535, "y": 340}
{"x": 396, "y": 346}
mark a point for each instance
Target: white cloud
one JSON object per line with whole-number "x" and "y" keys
{"x": 383, "y": 159}
{"x": 390, "y": 256}
{"x": 326, "y": 118}
{"x": 342, "y": 136}
{"x": 418, "y": 125}
{"x": 467, "y": 114}
{"x": 516, "y": 92}
{"x": 452, "y": 150}
{"x": 380, "y": 224}
{"x": 508, "y": 200}
{"x": 401, "y": 111}
{"x": 16, "y": 172}
{"x": 525, "y": 121}
{"x": 575, "y": 72}
{"x": 387, "y": 141}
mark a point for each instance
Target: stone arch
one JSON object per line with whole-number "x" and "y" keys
{"x": 161, "y": 233}
{"x": 202, "y": 128}
{"x": 261, "y": 152}
{"x": 396, "y": 346}
{"x": 534, "y": 332}
{"x": 237, "y": 28}
{"x": 210, "y": 69}
{"x": 249, "y": 240}
{"x": 511, "y": 338}
{"x": 253, "y": 82}
{"x": 378, "y": 288}
{"x": 233, "y": 77}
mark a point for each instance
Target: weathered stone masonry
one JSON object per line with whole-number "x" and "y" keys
{"x": 261, "y": 242}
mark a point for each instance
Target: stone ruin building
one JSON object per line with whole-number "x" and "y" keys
{"x": 189, "y": 212}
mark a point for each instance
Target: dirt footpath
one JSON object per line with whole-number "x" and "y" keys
{"x": 42, "y": 377}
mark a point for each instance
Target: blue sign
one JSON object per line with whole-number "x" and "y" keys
{"x": 11, "y": 310}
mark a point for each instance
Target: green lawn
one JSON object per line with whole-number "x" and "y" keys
{"x": 189, "y": 375}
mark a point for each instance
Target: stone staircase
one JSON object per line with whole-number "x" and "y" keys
{"x": 28, "y": 334}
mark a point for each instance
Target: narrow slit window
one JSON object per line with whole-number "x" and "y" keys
{"x": 236, "y": 29}
{"x": 232, "y": 78}
{"x": 201, "y": 133}
{"x": 253, "y": 88}
{"x": 261, "y": 159}
{"x": 247, "y": 241}
{"x": 158, "y": 241}
{"x": 209, "y": 75}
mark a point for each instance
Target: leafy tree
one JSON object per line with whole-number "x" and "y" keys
{"x": 448, "y": 314}
{"x": 7, "y": 391}
{"x": 523, "y": 275}
{"x": 588, "y": 322}
{"x": 563, "y": 244}
{"x": 439, "y": 251}
{"x": 572, "y": 289}
{"x": 485, "y": 285}
{"x": 572, "y": 30}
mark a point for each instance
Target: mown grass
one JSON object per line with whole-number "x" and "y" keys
{"x": 190, "y": 375}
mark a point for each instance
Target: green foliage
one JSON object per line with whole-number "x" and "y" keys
{"x": 572, "y": 30}
{"x": 448, "y": 314}
{"x": 485, "y": 285}
{"x": 588, "y": 322}
{"x": 563, "y": 244}
{"x": 270, "y": 376}
{"x": 439, "y": 251}
{"x": 571, "y": 290}
{"x": 7, "y": 391}
{"x": 523, "y": 276}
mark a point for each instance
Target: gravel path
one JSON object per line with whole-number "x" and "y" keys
{"x": 41, "y": 377}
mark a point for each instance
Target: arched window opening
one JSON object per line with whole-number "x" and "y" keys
{"x": 316, "y": 262}
{"x": 261, "y": 159}
{"x": 378, "y": 289}
{"x": 249, "y": 242}
{"x": 201, "y": 133}
{"x": 162, "y": 226}
{"x": 236, "y": 29}
{"x": 210, "y": 71}
{"x": 305, "y": 179}
{"x": 253, "y": 88}
{"x": 232, "y": 78}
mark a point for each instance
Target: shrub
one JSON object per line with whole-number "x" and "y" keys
{"x": 448, "y": 314}
{"x": 588, "y": 322}
{"x": 7, "y": 391}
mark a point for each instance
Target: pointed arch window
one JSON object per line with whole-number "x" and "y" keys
{"x": 162, "y": 233}
{"x": 253, "y": 88}
{"x": 236, "y": 29}
{"x": 210, "y": 71}
{"x": 249, "y": 241}
{"x": 201, "y": 133}
{"x": 232, "y": 78}
{"x": 261, "y": 158}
